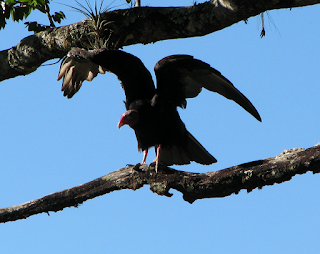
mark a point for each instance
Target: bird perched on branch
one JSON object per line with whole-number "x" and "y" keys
{"x": 152, "y": 112}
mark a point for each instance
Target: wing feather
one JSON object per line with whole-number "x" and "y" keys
{"x": 181, "y": 76}
{"x": 81, "y": 64}
{"x": 74, "y": 72}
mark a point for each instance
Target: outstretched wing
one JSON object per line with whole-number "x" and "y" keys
{"x": 81, "y": 64}
{"x": 74, "y": 71}
{"x": 181, "y": 76}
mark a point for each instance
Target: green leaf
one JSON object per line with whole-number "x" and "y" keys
{"x": 39, "y": 2}
{"x": 58, "y": 16}
{"x": 2, "y": 19}
{"x": 21, "y": 9}
{"x": 27, "y": 10}
{"x": 35, "y": 27}
{"x": 10, "y": 1}
{"x": 14, "y": 14}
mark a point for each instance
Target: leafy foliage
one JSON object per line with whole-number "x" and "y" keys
{"x": 21, "y": 9}
{"x": 58, "y": 16}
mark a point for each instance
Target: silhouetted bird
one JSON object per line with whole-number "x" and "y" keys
{"x": 152, "y": 112}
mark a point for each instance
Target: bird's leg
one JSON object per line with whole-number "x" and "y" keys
{"x": 157, "y": 158}
{"x": 145, "y": 153}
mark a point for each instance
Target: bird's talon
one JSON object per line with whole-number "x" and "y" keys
{"x": 153, "y": 166}
{"x": 137, "y": 167}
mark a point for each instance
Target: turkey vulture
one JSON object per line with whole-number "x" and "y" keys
{"x": 152, "y": 112}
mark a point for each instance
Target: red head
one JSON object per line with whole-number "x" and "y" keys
{"x": 130, "y": 117}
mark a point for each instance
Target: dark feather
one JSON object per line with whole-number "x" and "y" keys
{"x": 182, "y": 76}
{"x": 152, "y": 113}
{"x": 193, "y": 151}
{"x": 81, "y": 65}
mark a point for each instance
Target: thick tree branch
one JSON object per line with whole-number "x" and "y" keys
{"x": 131, "y": 26}
{"x": 193, "y": 186}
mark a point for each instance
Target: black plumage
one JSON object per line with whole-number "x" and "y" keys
{"x": 152, "y": 112}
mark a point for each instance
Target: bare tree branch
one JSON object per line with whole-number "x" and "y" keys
{"x": 193, "y": 186}
{"x": 144, "y": 25}
{"x": 131, "y": 26}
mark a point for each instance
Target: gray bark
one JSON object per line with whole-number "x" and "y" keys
{"x": 131, "y": 26}
{"x": 193, "y": 186}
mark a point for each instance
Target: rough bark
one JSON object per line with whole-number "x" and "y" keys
{"x": 131, "y": 26}
{"x": 193, "y": 186}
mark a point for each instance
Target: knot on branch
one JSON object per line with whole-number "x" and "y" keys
{"x": 161, "y": 188}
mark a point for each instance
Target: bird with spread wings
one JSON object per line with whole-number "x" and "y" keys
{"x": 152, "y": 111}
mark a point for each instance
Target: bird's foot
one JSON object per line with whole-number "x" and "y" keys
{"x": 140, "y": 167}
{"x": 156, "y": 161}
{"x": 137, "y": 167}
{"x": 157, "y": 166}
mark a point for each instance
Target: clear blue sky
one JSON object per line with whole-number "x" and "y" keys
{"x": 49, "y": 143}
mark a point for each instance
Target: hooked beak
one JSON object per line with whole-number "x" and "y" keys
{"x": 123, "y": 120}
{"x": 121, "y": 123}
{"x": 129, "y": 117}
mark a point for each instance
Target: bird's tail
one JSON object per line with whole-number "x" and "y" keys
{"x": 184, "y": 155}
{"x": 197, "y": 152}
